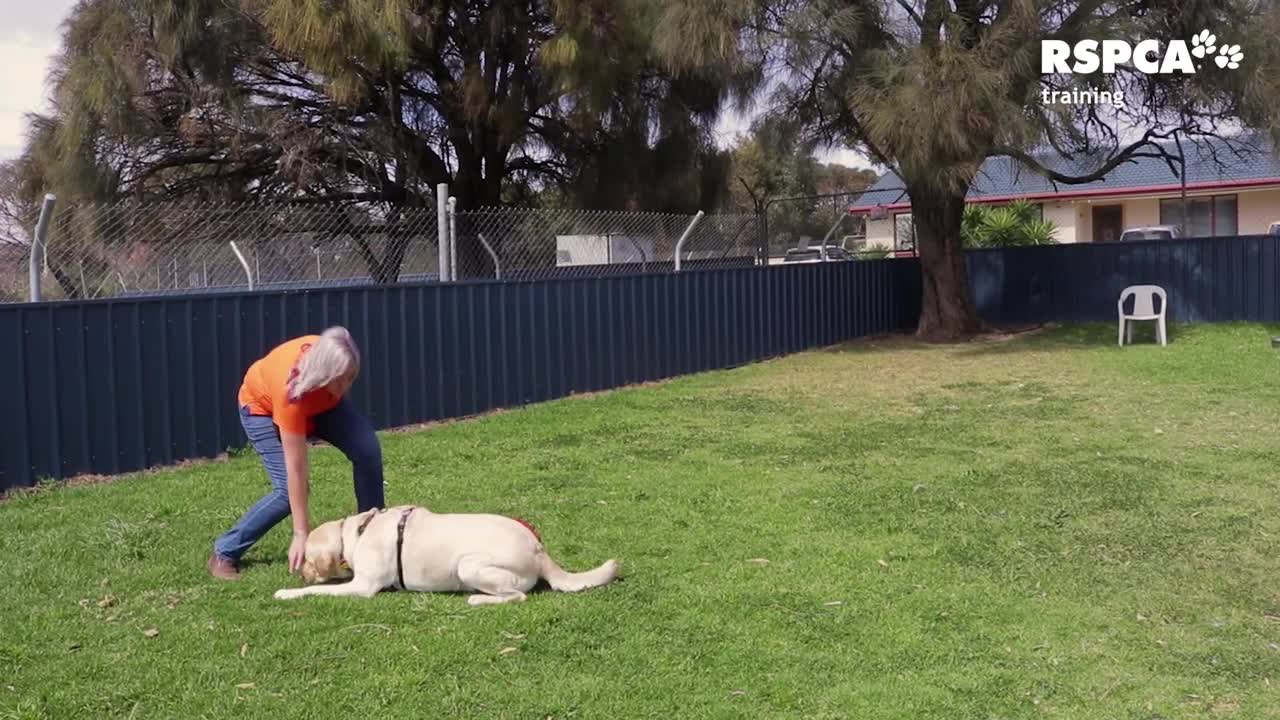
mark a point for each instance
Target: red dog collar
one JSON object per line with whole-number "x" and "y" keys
{"x": 531, "y": 528}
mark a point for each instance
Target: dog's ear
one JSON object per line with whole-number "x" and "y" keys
{"x": 324, "y": 548}
{"x": 327, "y": 565}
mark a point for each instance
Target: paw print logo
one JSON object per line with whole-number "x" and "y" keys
{"x": 1203, "y": 43}
{"x": 1229, "y": 56}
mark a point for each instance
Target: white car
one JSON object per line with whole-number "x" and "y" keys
{"x": 1274, "y": 229}
{"x": 1151, "y": 232}
{"x": 814, "y": 254}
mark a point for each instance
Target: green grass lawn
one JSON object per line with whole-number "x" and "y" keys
{"x": 1046, "y": 527}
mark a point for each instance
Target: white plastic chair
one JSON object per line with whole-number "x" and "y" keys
{"x": 1143, "y": 309}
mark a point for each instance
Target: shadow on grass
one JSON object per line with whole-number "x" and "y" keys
{"x": 1091, "y": 336}
{"x": 1185, "y": 341}
{"x": 1194, "y": 337}
{"x": 248, "y": 562}
{"x": 1034, "y": 339}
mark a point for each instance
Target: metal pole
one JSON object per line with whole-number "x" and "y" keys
{"x": 38, "y": 248}
{"x": 243, "y": 263}
{"x": 1182, "y": 171}
{"x": 442, "y": 230}
{"x": 1183, "y": 201}
{"x": 453, "y": 238}
{"x": 762, "y": 248}
{"x": 497, "y": 269}
{"x": 825, "y": 238}
{"x": 685, "y": 236}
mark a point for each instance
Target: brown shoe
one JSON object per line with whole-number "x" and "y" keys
{"x": 222, "y": 568}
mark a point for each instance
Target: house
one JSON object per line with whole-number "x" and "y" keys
{"x": 1232, "y": 188}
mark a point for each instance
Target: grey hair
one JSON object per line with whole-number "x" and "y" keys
{"x": 332, "y": 356}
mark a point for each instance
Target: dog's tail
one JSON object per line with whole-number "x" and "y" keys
{"x": 563, "y": 581}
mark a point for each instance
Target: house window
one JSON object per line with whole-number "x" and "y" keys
{"x": 1206, "y": 216}
{"x": 904, "y": 232}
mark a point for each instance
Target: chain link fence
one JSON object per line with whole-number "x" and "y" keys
{"x": 16, "y": 231}
{"x": 861, "y": 222}
{"x": 14, "y": 258}
{"x": 507, "y": 243}
{"x": 130, "y": 249}
{"x": 126, "y": 249}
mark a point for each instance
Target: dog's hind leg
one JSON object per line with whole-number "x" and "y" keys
{"x": 494, "y": 584}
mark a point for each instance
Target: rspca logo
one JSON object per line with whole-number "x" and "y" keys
{"x": 1148, "y": 57}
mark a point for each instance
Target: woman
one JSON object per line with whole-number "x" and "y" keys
{"x": 298, "y": 390}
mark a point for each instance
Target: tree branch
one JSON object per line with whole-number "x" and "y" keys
{"x": 1125, "y": 155}
{"x": 915, "y": 16}
{"x": 935, "y": 15}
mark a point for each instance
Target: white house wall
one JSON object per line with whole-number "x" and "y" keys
{"x": 880, "y": 234}
{"x": 1257, "y": 209}
{"x": 1063, "y": 217}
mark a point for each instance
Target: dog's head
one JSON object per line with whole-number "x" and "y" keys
{"x": 324, "y": 555}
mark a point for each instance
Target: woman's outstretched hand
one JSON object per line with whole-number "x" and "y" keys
{"x": 297, "y": 552}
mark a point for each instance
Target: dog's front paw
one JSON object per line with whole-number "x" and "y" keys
{"x": 288, "y": 594}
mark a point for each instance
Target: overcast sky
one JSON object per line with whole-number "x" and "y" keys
{"x": 30, "y": 35}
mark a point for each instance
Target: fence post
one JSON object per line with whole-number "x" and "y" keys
{"x": 35, "y": 267}
{"x": 243, "y": 263}
{"x": 453, "y": 238}
{"x": 685, "y": 236}
{"x": 762, "y": 244}
{"x": 445, "y": 258}
{"x": 823, "y": 250}
{"x": 497, "y": 267}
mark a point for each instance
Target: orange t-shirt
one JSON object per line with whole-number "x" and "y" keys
{"x": 266, "y": 389}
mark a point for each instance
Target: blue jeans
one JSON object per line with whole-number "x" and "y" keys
{"x": 344, "y": 428}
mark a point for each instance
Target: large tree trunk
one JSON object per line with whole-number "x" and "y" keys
{"x": 947, "y": 312}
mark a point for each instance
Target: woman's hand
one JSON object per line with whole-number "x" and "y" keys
{"x": 297, "y": 552}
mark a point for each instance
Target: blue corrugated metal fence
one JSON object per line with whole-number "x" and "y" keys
{"x": 118, "y": 385}
{"x": 1207, "y": 280}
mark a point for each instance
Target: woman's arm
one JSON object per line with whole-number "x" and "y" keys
{"x": 296, "y": 465}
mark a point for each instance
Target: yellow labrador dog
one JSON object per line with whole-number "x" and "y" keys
{"x": 497, "y": 558}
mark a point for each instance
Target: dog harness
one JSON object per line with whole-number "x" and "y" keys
{"x": 342, "y": 534}
{"x": 404, "y": 520}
